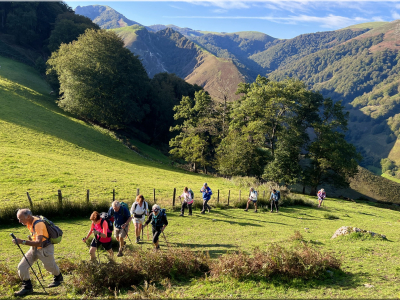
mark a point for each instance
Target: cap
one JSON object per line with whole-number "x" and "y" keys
{"x": 205, "y": 183}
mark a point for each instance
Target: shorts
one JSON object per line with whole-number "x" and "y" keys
{"x": 96, "y": 244}
{"x": 139, "y": 221}
{"x": 120, "y": 232}
{"x": 254, "y": 201}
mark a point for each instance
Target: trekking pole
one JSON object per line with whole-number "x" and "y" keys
{"x": 165, "y": 239}
{"x": 128, "y": 236}
{"x": 40, "y": 271}
{"x": 14, "y": 238}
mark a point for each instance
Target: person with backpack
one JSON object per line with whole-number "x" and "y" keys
{"x": 206, "y": 193}
{"x": 139, "y": 211}
{"x": 158, "y": 220}
{"x": 102, "y": 235}
{"x": 41, "y": 248}
{"x": 187, "y": 196}
{"x": 321, "y": 196}
{"x": 275, "y": 196}
{"x": 252, "y": 198}
{"x": 122, "y": 219}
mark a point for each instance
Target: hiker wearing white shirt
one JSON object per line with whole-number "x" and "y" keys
{"x": 252, "y": 198}
{"x": 187, "y": 201}
{"x": 139, "y": 211}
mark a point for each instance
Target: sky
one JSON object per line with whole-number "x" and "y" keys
{"x": 278, "y": 18}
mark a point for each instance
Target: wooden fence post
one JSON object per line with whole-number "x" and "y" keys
{"x": 137, "y": 192}
{"x": 30, "y": 200}
{"x": 173, "y": 200}
{"x": 229, "y": 195}
{"x": 87, "y": 196}
{"x": 218, "y": 197}
{"x": 113, "y": 194}
{"x": 59, "y": 197}
{"x": 240, "y": 195}
{"x": 154, "y": 196}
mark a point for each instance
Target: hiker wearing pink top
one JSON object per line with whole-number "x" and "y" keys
{"x": 102, "y": 235}
{"x": 187, "y": 201}
{"x": 321, "y": 196}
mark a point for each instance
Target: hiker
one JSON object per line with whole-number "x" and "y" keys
{"x": 321, "y": 196}
{"x": 158, "y": 220}
{"x": 252, "y": 198}
{"x": 187, "y": 201}
{"x": 122, "y": 219}
{"x": 275, "y": 196}
{"x": 41, "y": 248}
{"x": 139, "y": 211}
{"x": 206, "y": 191}
{"x": 102, "y": 236}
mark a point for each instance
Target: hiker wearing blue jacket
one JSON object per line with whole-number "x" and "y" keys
{"x": 275, "y": 196}
{"x": 122, "y": 219}
{"x": 206, "y": 192}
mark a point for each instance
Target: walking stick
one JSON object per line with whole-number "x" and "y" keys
{"x": 165, "y": 239}
{"x": 40, "y": 271}
{"x": 14, "y": 238}
{"x": 128, "y": 236}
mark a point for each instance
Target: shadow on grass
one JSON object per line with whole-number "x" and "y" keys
{"x": 250, "y": 217}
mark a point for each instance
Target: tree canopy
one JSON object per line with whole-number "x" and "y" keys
{"x": 101, "y": 80}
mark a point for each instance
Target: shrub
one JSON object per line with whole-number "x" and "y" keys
{"x": 137, "y": 267}
{"x": 8, "y": 277}
{"x": 302, "y": 261}
{"x": 297, "y": 236}
{"x": 53, "y": 210}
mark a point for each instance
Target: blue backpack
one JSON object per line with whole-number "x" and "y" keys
{"x": 279, "y": 195}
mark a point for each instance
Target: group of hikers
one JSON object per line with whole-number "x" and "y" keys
{"x": 44, "y": 234}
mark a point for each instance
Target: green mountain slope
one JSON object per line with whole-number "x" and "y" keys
{"x": 44, "y": 149}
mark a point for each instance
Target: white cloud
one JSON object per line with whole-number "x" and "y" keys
{"x": 329, "y": 21}
{"x": 395, "y": 15}
{"x": 219, "y": 11}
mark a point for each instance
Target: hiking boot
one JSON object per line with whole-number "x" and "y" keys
{"x": 271, "y": 210}
{"x": 255, "y": 211}
{"x": 190, "y": 214}
{"x": 203, "y": 212}
{"x": 56, "y": 281}
{"x": 26, "y": 289}
{"x": 137, "y": 240}
{"x": 209, "y": 209}
{"x": 181, "y": 215}
{"x": 246, "y": 209}
{"x": 120, "y": 253}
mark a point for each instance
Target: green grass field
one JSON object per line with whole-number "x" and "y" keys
{"x": 43, "y": 149}
{"x": 365, "y": 262}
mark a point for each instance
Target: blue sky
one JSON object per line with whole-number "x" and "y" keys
{"x": 278, "y": 18}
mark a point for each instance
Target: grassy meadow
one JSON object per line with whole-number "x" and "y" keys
{"x": 370, "y": 267}
{"x": 43, "y": 149}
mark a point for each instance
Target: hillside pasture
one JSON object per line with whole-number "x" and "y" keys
{"x": 44, "y": 149}
{"x": 369, "y": 266}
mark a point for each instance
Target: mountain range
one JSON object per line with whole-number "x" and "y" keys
{"x": 358, "y": 65}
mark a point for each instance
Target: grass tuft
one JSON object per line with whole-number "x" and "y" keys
{"x": 330, "y": 216}
{"x": 95, "y": 279}
{"x": 301, "y": 261}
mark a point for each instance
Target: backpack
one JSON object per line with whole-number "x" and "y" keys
{"x": 55, "y": 233}
{"x": 279, "y": 195}
{"x": 191, "y": 193}
{"x": 123, "y": 204}
{"x": 160, "y": 215}
{"x": 105, "y": 217}
{"x": 146, "y": 207}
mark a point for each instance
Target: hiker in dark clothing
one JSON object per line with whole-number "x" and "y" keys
{"x": 122, "y": 219}
{"x": 275, "y": 195}
{"x": 206, "y": 192}
{"x": 158, "y": 220}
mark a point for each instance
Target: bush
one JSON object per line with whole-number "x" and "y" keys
{"x": 302, "y": 261}
{"x": 8, "y": 277}
{"x": 53, "y": 210}
{"x": 137, "y": 267}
